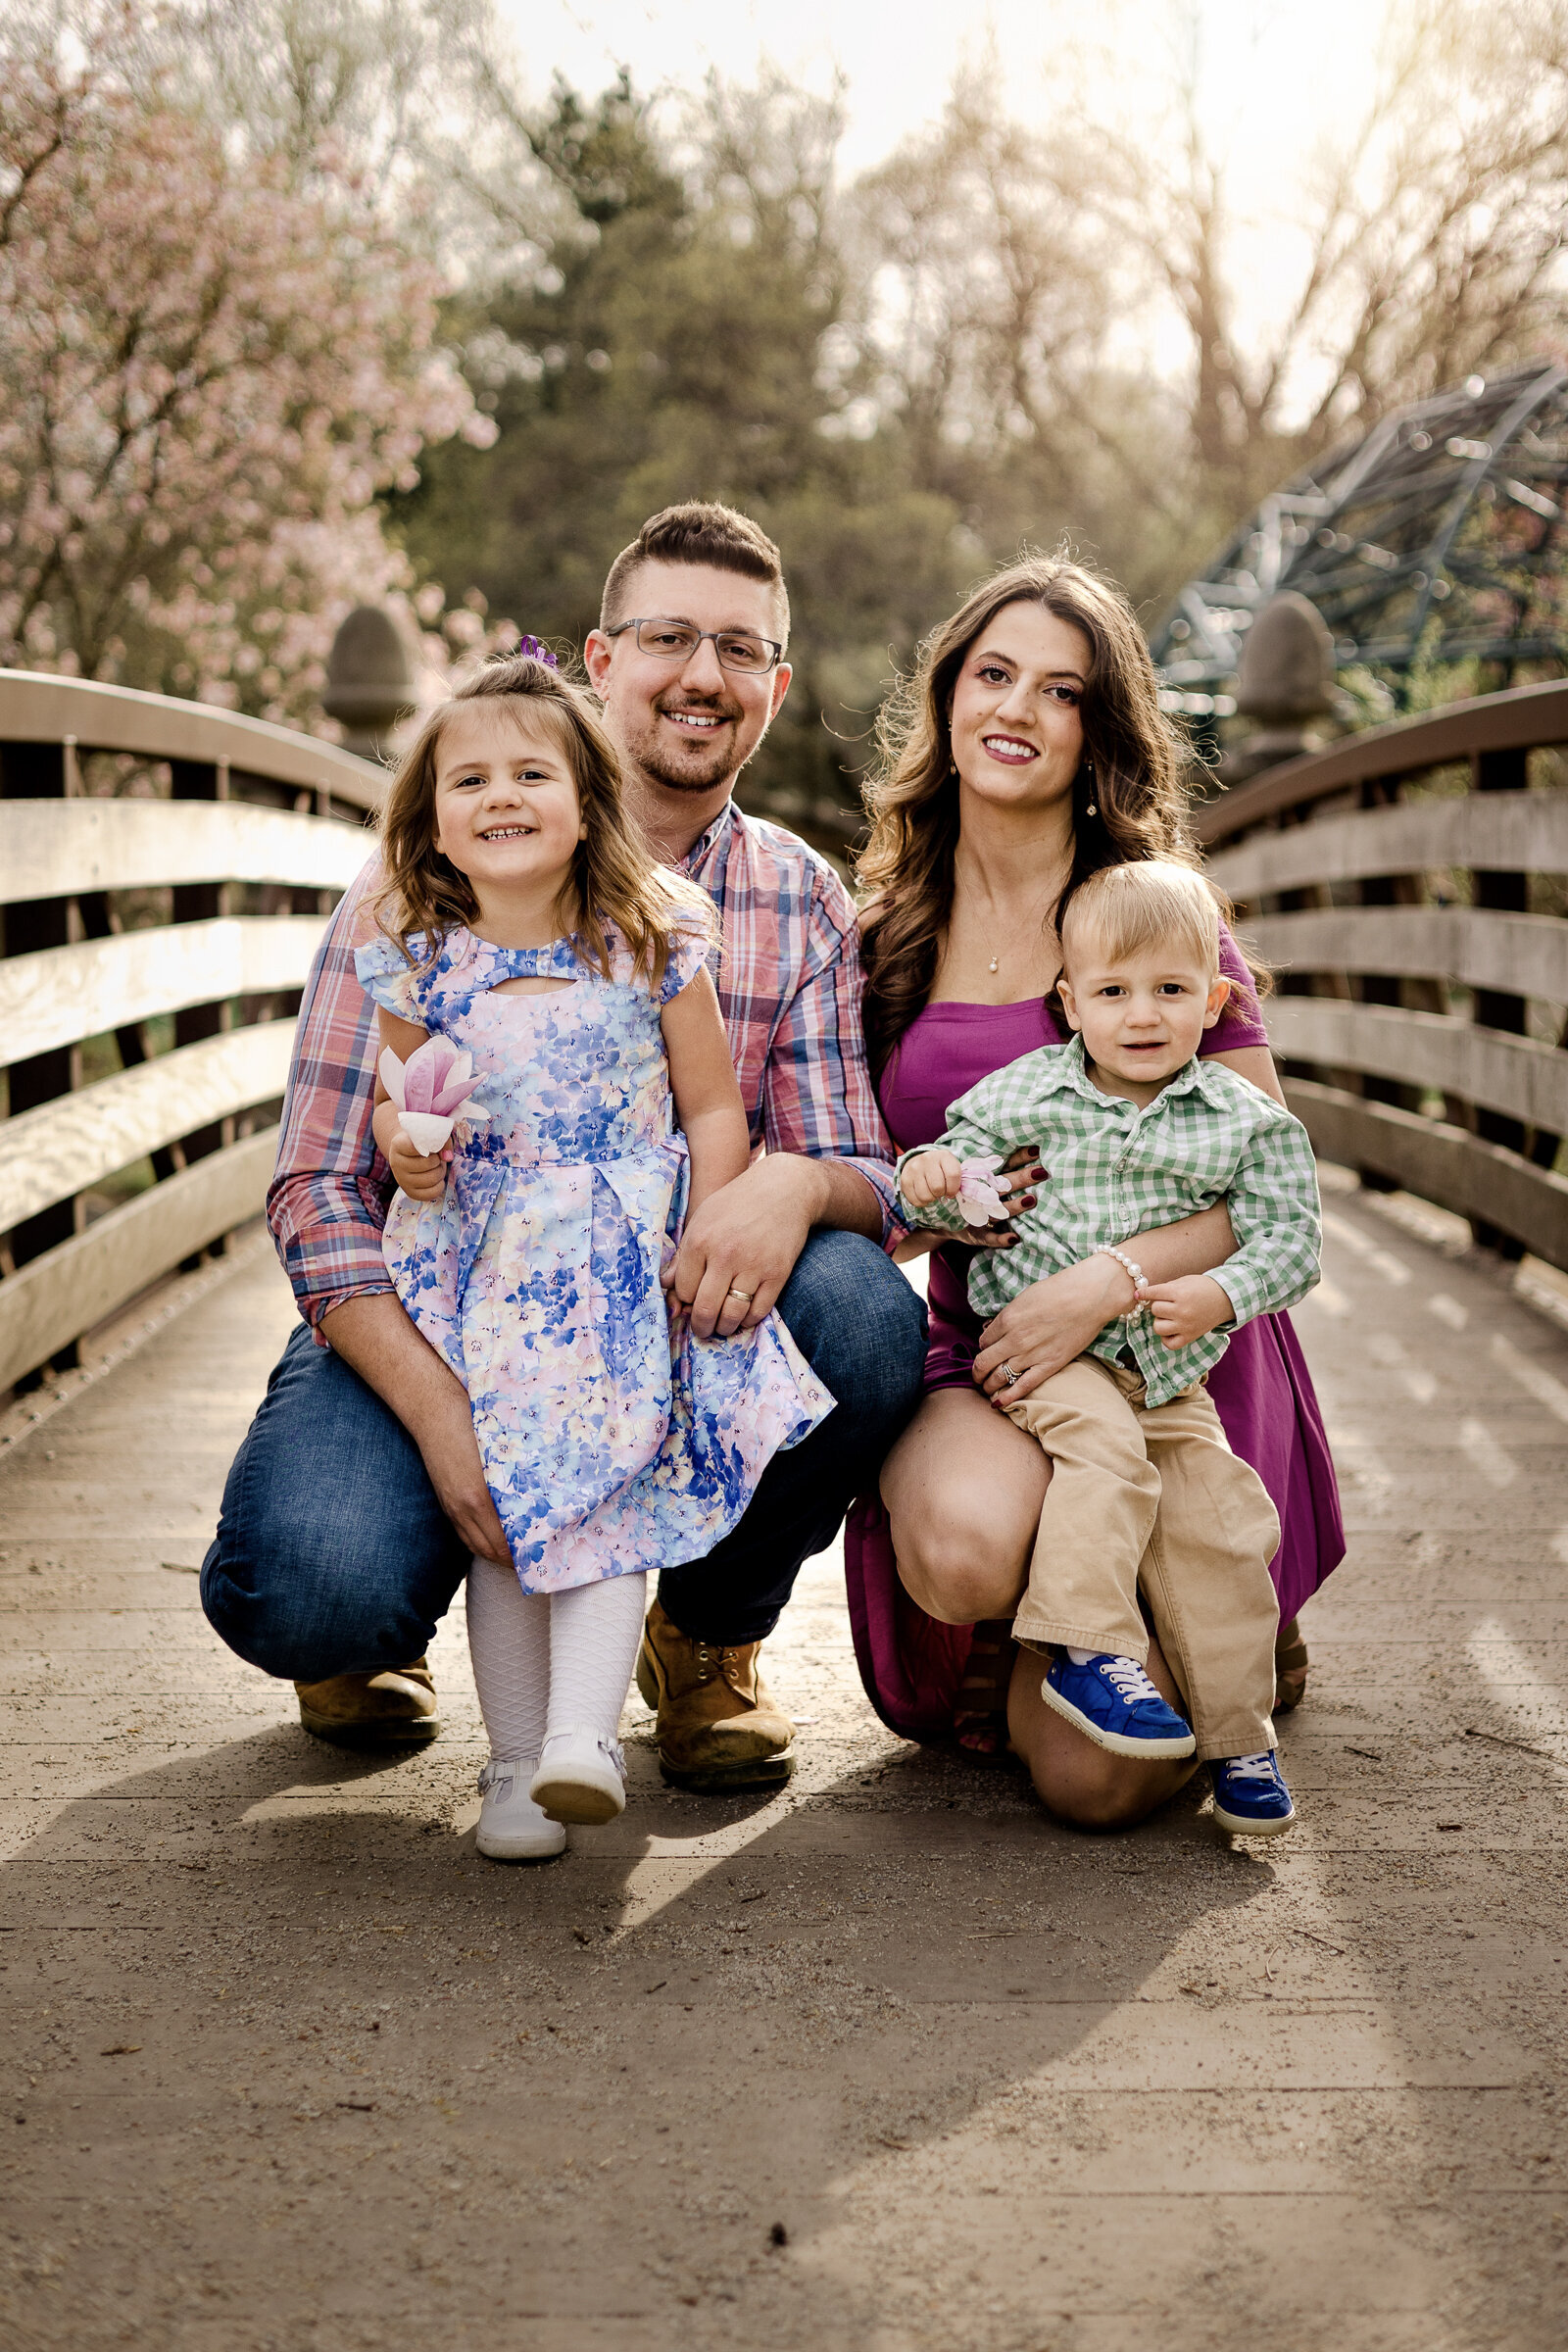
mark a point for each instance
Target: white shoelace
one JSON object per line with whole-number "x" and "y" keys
{"x": 507, "y": 1769}
{"x": 1251, "y": 1768}
{"x": 1128, "y": 1680}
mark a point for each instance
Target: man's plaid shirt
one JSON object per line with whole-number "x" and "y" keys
{"x": 788, "y": 973}
{"x": 1116, "y": 1171}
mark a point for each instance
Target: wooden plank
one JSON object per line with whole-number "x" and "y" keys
{"x": 1518, "y": 720}
{"x": 65, "y": 1147}
{"x": 60, "y": 849}
{"x": 54, "y": 1298}
{"x": 1526, "y": 954}
{"x": 1511, "y": 1074}
{"x": 38, "y": 709}
{"x": 1440, "y": 1163}
{"x": 1518, "y": 832}
{"x": 63, "y": 994}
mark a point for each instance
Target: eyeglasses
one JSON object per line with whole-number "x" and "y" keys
{"x": 677, "y": 641}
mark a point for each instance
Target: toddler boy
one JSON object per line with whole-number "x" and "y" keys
{"x": 1138, "y": 1133}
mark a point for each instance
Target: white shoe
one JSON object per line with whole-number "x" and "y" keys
{"x": 512, "y": 1828}
{"x": 581, "y": 1776}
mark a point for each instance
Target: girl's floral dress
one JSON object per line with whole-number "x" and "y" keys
{"x": 613, "y": 1439}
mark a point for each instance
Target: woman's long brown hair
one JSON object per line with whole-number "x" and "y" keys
{"x": 1136, "y": 785}
{"x": 612, "y": 875}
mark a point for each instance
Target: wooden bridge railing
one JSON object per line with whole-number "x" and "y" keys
{"x": 1410, "y": 886}
{"x": 166, "y": 872}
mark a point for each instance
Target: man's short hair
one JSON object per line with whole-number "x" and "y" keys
{"x": 699, "y": 533}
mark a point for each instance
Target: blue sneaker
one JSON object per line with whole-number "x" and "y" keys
{"x": 1113, "y": 1702}
{"x": 1251, "y": 1798}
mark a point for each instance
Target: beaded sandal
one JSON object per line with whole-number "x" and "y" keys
{"x": 1290, "y": 1668}
{"x": 980, "y": 1724}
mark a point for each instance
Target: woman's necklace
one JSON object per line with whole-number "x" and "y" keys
{"x": 1008, "y": 946}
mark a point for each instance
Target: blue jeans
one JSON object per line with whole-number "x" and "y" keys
{"x": 332, "y": 1555}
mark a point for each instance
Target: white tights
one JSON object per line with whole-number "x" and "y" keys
{"x": 546, "y": 1662}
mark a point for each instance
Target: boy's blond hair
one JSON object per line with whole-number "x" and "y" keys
{"x": 1147, "y": 903}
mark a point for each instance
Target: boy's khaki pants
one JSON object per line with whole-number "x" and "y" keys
{"x": 1152, "y": 1498}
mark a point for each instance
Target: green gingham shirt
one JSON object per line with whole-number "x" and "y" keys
{"x": 1116, "y": 1171}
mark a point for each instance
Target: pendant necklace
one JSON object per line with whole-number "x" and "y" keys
{"x": 1039, "y": 921}
{"x": 996, "y": 961}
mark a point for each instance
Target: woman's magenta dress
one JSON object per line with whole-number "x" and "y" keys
{"x": 911, "y": 1665}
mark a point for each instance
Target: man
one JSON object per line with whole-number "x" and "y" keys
{"x": 357, "y": 1497}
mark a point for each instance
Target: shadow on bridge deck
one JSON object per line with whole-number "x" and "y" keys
{"x": 291, "y": 2067}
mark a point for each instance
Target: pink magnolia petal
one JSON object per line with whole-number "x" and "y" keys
{"x": 418, "y": 1078}
{"x": 391, "y": 1071}
{"x": 455, "y": 1082}
{"x": 431, "y": 1087}
{"x": 979, "y": 1197}
{"x": 432, "y": 1068}
{"x": 424, "y": 1131}
{"x": 453, "y": 1073}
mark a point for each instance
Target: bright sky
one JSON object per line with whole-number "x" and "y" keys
{"x": 1274, "y": 76}
{"x": 1272, "y": 71}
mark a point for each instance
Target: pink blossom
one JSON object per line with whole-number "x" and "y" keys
{"x": 436, "y": 1076}
{"x": 210, "y": 371}
{"x": 978, "y": 1197}
{"x": 430, "y": 1091}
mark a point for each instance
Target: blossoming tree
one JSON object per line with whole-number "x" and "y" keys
{"x": 207, "y": 374}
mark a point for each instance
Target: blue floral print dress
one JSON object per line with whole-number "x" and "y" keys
{"x": 615, "y": 1441}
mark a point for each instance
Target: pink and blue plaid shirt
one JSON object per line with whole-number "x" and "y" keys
{"x": 789, "y": 983}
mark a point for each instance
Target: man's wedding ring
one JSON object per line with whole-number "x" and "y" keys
{"x": 735, "y": 1291}
{"x": 1010, "y": 1376}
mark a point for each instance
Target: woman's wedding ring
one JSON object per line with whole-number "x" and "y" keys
{"x": 735, "y": 1291}
{"x": 1010, "y": 1376}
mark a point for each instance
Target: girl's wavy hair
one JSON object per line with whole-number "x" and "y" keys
{"x": 1137, "y": 786}
{"x": 613, "y": 878}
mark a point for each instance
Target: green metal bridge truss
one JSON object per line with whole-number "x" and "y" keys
{"x": 1438, "y": 538}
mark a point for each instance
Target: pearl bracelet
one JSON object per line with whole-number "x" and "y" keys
{"x": 1130, "y": 1267}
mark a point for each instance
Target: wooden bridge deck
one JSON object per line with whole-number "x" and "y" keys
{"x": 288, "y": 2068}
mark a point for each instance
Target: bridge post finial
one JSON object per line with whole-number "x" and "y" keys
{"x": 370, "y": 680}
{"x": 1285, "y": 680}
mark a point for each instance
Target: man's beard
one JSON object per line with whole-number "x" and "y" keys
{"x": 715, "y": 769}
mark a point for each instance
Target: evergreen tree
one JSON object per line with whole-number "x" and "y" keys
{"x": 677, "y": 342}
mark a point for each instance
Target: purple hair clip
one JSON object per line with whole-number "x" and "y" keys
{"x": 537, "y": 651}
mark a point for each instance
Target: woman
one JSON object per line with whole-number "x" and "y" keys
{"x": 1027, "y": 752}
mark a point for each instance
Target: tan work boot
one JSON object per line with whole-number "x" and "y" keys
{"x": 718, "y": 1726}
{"x": 394, "y": 1708}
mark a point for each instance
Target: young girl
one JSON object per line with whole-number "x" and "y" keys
{"x": 527, "y": 926}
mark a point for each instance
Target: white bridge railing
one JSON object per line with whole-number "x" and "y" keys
{"x": 165, "y": 873}
{"x": 1411, "y": 886}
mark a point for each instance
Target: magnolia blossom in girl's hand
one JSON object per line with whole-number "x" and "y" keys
{"x": 978, "y": 1197}
{"x": 430, "y": 1091}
